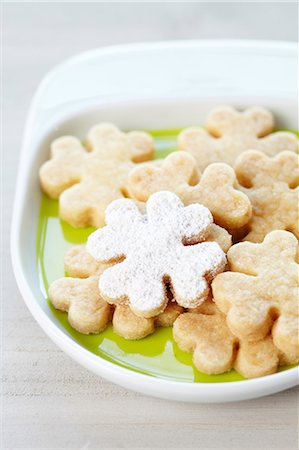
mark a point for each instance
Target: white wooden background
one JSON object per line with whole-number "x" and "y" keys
{"x": 49, "y": 402}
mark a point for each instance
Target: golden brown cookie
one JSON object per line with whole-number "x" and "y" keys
{"x": 87, "y": 311}
{"x": 260, "y": 292}
{"x": 219, "y": 235}
{"x": 216, "y": 350}
{"x": 230, "y": 133}
{"x": 78, "y": 294}
{"x": 216, "y": 188}
{"x": 272, "y": 186}
{"x": 169, "y": 315}
{"x": 132, "y": 327}
{"x": 87, "y": 180}
{"x": 78, "y": 263}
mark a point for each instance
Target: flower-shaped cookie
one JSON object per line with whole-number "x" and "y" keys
{"x": 260, "y": 293}
{"x": 272, "y": 186}
{"x": 89, "y": 313}
{"x": 79, "y": 295}
{"x": 87, "y": 181}
{"x": 230, "y": 132}
{"x": 217, "y": 188}
{"x": 216, "y": 350}
{"x": 155, "y": 249}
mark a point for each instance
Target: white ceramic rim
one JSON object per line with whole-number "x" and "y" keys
{"x": 157, "y": 387}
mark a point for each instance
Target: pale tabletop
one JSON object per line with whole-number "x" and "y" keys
{"x": 49, "y": 401}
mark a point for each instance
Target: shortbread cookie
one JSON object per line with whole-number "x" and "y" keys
{"x": 261, "y": 293}
{"x": 78, "y": 263}
{"x": 219, "y": 235}
{"x": 132, "y": 327}
{"x": 87, "y": 311}
{"x": 230, "y": 132}
{"x": 207, "y": 307}
{"x": 78, "y": 294}
{"x": 129, "y": 326}
{"x": 169, "y": 315}
{"x": 272, "y": 186}
{"x": 216, "y": 350}
{"x": 216, "y": 188}
{"x": 87, "y": 181}
{"x": 154, "y": 249}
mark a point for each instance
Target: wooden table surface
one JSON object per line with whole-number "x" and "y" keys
{"x": 49, "y": 401}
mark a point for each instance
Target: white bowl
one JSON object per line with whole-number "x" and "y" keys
{"x": 156, "y": 85}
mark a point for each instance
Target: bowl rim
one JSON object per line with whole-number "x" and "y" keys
{"x": 146, "y": 384}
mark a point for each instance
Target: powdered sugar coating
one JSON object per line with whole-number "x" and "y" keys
{"x": 153, "y": 246}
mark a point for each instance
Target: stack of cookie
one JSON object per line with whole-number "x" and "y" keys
{"x": 167, "y": 250}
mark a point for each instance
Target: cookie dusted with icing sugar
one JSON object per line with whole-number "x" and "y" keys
{"x": 230, "y": 133}
{"x": 165, "y": 245}
{"x": 78, "y": 294}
